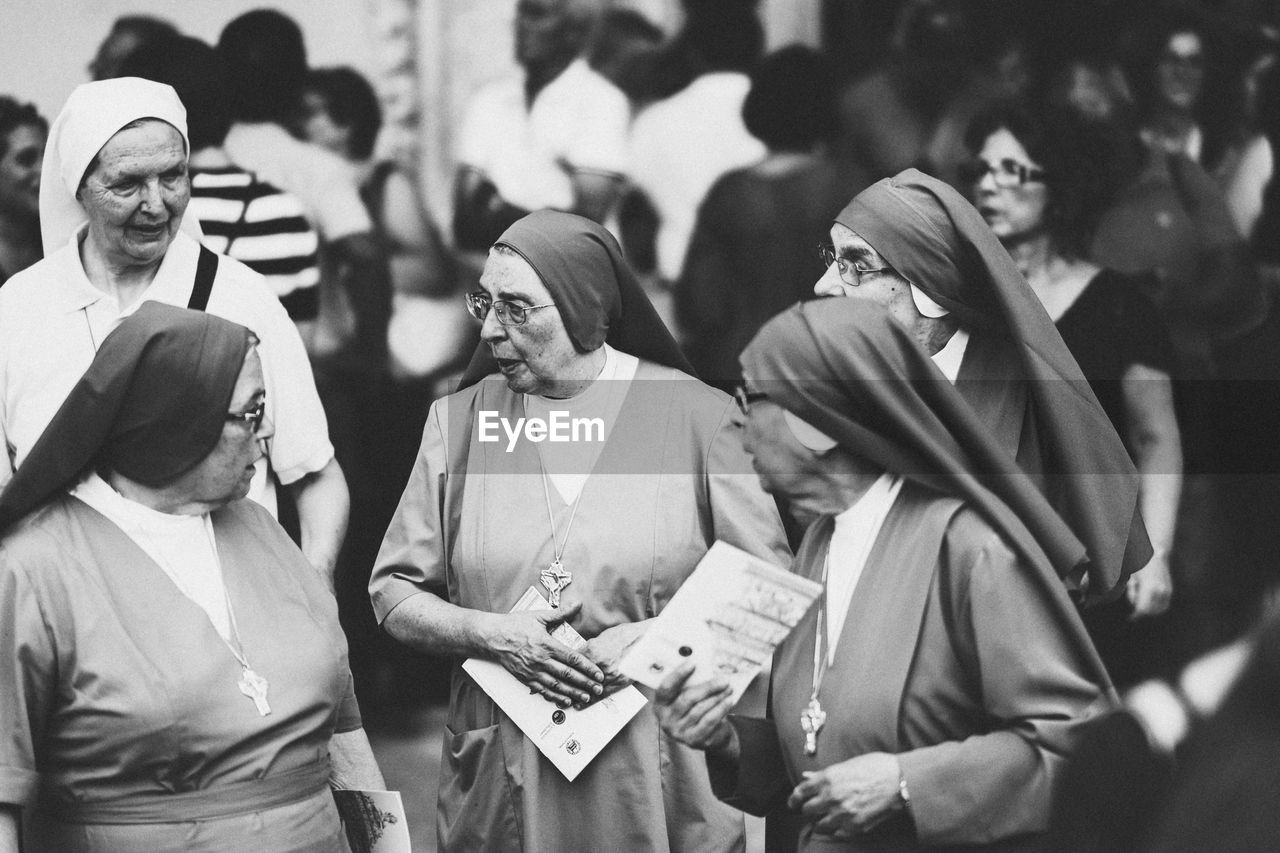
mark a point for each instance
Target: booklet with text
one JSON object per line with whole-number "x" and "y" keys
{"x": 568, "y": 738}
{"x": 727, "y": 618}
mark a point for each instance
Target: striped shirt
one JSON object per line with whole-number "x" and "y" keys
{"x": 263, "y": 227}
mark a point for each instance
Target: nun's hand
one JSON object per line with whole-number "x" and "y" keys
{"x": 607, "y": 648}
{"x": 523, "y": 644}
{"x": 851, "y": 797}
{"x": 695, "y": 714}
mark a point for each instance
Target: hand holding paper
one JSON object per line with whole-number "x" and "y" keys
{"x": 726, "y": 619}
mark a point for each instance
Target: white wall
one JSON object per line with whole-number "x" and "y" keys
{"x": 45, "y": 45}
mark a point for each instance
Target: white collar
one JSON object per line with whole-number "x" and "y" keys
{"x": 949, "y": 357}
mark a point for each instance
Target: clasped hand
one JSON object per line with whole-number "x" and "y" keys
{"x": 523, "y": 644}
{"x": 850, "y": 797}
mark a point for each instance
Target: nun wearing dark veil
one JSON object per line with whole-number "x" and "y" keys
{"x": 172, "y": 673}
{"x": 929, "y": 698}
{"x": 914, "y": 245}
{"x": 605, "y": 523}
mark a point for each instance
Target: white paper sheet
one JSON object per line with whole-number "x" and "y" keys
{"x": 568, "y": 738}
{"x": 727, "y": 618}
{"x": 374, "y": 821}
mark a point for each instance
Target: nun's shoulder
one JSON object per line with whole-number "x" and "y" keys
{"x": 689, "y": 390}
{"x": 37, "y": 283}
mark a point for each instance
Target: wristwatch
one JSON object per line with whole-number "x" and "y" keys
{"x": 903, "y": 793}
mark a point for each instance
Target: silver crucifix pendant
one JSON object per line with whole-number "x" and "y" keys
{"x": 255, "y": 687}
{"x": 555, "y": 578}
{"x": 812, "y": 719}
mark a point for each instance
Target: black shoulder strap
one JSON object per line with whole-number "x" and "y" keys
{"x": 206, "y": 269}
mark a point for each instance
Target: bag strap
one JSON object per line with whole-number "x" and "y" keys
{"x": 206, "y": 269}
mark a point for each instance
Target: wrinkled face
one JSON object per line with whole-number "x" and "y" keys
{"x": 320, "y": 128}
{"x": 542, "y": 30}
{"x": 884, "y": 287}
{"x": 1180, "y": 71}
{"x": 786, "y": 467}
{"x": 224, "y": 475}
{"x": 537, "y": 356}
{"x": 20, "y": 171}
{"x": 1013, "y": 212}
{"x": 136, "y": 194}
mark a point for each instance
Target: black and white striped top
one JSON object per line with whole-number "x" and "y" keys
{"x": 265, "y": 228}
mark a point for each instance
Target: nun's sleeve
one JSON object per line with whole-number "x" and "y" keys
{"x": 28, "y": 679}
{"x": 412, "y": 557}
{"x": 1034, "y": 691}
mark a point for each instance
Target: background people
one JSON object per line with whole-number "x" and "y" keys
{"x": 553, "y": 137}
{"x": 22, "y": 136}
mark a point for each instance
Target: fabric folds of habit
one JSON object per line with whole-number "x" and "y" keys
{"x": 594, "y": 289}
{"x": 151, "y": 405}
{"x": 941, "y": 244}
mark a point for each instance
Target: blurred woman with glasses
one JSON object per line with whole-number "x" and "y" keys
{"x": 605, "y": 528}
{"x": 1037, "y": 180}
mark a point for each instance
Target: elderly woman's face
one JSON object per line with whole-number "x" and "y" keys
{"x": 136, "y": 194}
{"x": 538, "y": 355}
{"x": 1015, "y": 209}
{"x": 877, "y": 281}
{"x": 224, "y": 475}
{"x": 785, "y": 467}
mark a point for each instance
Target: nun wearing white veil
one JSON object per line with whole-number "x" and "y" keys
{"x": 113, "y": 194}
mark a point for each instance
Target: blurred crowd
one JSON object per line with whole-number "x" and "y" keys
{"x": 1123, "y": 152}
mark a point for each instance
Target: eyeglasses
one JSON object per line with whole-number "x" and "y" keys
{"x": 745, "y": 398}
{"x": 850, "y": 272}
{"x": 253, "y": 418}
{"x": 509, "y": 313}
{"x": 1007, "y": 174}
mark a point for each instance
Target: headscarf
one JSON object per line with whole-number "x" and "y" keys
{"x": 847, "y": 368}
{"x": 93, "y": 114}
{"x": 151, "y": 406}
{"x": 1017, "y": 374}
{"x": 597, "y": 295}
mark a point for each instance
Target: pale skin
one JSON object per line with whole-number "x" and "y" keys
{"x": 135, "y": 196}
{"x": 1016, "y": 215}
{"x": 221, "y": 477}
{"x": 844, "y": 798}
{"x": 537, "y": 357}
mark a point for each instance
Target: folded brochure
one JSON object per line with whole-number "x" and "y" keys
{"x": 569, "y": 739}
{"x": 727, "y": 618}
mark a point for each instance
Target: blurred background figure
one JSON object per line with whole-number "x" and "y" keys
{"x": 552, "y": 136}
{"x": 265, "y": 61}
{"x": 241, "y": 215}
{"x": 888, "y": 113}
{"x": 680, "y": 145}
{"x": 22, "y": 136}
{"x": 753, "y": 251}
{"x": 1041, "y": 185}
{"x": 128, "y": 33}
{"x": 430, "y": 330}
{"x": 429, "y": 336}
{"x": 625, "y": 51}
